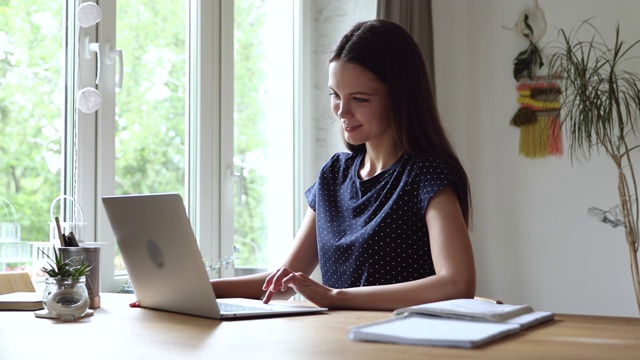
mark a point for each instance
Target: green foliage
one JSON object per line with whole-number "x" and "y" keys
{"x": 151, "y": 115}
{"x": 599, "y": 111}
{"x": 150, "y": 107}
{"x": 31, "y": 63}
{"x": 601, "y": 100}
{"x": 249, "y": 220}
{"x": 64, "y": 268}
{"x": 248, "y": 77}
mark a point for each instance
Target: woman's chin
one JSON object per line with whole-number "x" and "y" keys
{"x": 351, "y": 141}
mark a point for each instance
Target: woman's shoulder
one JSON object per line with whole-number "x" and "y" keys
{"x": 428, "y": 168}
{"x": 427, "y": 162}
{"x": 344, "y": 156}
{"x": 339, "y": 162}
{"x": 341, "y": 159}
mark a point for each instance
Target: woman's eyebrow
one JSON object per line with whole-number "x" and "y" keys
{"x": 355, "y": 92}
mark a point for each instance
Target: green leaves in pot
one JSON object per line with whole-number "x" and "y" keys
{"x": 64, "y": 268}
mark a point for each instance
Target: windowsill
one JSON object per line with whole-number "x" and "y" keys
{"x": 247, "y": 270}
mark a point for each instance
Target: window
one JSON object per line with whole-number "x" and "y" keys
{"x": 230, "y": 153}
{"x": 263, "y": 132}
{"x": 34, "y": 114}
{"x": 176, "y": 125}
{"x": 151, "y": 109}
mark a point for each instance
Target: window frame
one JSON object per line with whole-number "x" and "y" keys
{"x": 211, "y": 24}
{"x": 209, "y": 180}
{"x": 204, "y": 185}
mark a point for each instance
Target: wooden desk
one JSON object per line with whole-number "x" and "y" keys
{"x": 119, "y": 332}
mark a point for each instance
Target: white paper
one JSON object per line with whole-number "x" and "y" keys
{"x": 427, "y": 330}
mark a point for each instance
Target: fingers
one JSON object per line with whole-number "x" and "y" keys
{"x": 292, "y": 279}
{"x": 280, "y": 281}
{"x": 298, "y": 282}
{"x": 269, "y": 281}
{"x": 267, "y": 297}
{"x": 274, "y": 283}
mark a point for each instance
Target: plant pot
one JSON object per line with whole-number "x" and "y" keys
{"x": 67, "y": 298}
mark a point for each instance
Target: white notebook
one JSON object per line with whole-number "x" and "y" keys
{"x": 416, "y": 329}
{"x": 463, "y": 323}
{"x": 468, "y": 309}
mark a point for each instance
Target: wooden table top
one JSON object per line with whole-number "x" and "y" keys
{"x": 119, "y": 332}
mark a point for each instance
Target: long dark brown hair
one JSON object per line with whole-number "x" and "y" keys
{"x": 388, "y": 51}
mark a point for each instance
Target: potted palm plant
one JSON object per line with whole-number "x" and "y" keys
{"x": 599, "y": 112}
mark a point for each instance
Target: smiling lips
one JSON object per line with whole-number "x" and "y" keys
{"x": 348, "y": 128}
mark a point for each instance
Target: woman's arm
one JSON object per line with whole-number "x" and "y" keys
{"x": 303, "y": 258}
{"x": 452, "y": 258}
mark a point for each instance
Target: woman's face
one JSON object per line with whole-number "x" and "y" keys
{"x": 361, "y": 103}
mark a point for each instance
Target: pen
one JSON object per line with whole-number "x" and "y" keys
{"x": 60, "y": 235}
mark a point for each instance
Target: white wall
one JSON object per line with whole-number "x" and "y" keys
{"x": 532, "y": 239}
{"x": 330, "y": 19}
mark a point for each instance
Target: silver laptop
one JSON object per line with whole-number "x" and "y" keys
{"x": 164, "y": 263}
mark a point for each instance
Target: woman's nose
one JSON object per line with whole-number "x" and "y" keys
{"x": 344, "y": 112}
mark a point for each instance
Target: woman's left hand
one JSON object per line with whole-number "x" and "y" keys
{"x": 283, "y": 279}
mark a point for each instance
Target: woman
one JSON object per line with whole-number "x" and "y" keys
{"x": 387, "y": 221}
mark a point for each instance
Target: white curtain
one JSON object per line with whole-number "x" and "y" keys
{"x": 416, "y": 17}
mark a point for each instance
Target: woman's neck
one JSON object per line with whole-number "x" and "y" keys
{"x": 376, "y": 161}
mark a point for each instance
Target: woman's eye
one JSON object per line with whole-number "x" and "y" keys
{"x": 360, "y": 100}
{"x": 333, "y": 94}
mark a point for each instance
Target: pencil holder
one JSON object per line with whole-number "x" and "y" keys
{"x": 75, "y": 224}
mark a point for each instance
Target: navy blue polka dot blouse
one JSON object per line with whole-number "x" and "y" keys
{"x": 373, "y": 231}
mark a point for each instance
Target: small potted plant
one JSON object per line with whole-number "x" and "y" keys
{"x": 65, "y": 294}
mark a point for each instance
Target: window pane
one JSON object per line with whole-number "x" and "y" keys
{"x": 32, "y": 118}
{"x": 263, "y": 131}
{"x": 151, "y": 116}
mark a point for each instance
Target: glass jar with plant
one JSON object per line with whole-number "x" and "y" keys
{"x": 65, "y": 294}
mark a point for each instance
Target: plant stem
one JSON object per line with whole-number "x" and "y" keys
{"x": 630, "y": 230}
{"x": 635, "y": 274}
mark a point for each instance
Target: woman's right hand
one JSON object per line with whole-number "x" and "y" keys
{"x": 274, "y": 284}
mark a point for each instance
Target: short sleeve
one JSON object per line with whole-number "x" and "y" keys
{"x": 434, "y": 175}
{"x": 311, "y": 195}
{"x": 326, "y": 178}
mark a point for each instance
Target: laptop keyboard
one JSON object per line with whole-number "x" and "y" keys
{"x": 235, "y": 308}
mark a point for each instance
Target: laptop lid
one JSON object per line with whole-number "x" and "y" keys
{"x": 165, "y": 266}
{"x": 160, "y": 253}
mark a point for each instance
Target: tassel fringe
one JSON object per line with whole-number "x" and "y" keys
{"x": 555, "y": 137}
{"x": 540, "y": 130}
{"x": 534, "y": 139}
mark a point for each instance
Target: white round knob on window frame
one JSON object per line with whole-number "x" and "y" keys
{"x": 88, "y": 100}
{"x": 88, "y": 14}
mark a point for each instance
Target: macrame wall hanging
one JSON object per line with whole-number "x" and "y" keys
{"x": 538, "y": 96}
{"x": 537, "y": 118}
